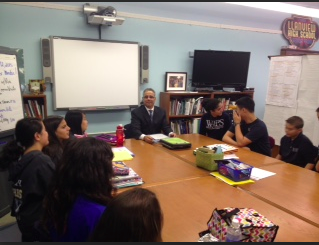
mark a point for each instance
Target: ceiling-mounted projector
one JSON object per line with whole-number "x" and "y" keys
{"x": 97, "y": 15}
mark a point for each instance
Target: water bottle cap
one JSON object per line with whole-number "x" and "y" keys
{"x": 235, "y": 222}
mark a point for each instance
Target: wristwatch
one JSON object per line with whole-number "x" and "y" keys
{"x": 236, "y": 124}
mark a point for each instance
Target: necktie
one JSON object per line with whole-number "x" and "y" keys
{"x": 151, "y": 115}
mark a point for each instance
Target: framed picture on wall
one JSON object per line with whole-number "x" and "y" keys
{"x": 176, "y": 81}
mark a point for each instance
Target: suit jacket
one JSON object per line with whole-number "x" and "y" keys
{"x": 141, "y": 122}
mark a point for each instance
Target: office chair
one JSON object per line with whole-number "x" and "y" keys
{"x": 128, "y": 131}
{"x": 271, "y": 142}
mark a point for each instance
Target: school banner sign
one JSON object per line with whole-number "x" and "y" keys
{"x": 300, "y": 31}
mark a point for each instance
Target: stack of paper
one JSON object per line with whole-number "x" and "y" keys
{"x": 225, "y": 148}
{"x": 257, "y": 174}
{"x": 229, "y": 181}
{"x": 132, "y": 179}
{"x": 158, "y": 137}
{"x": 122, "y": 154}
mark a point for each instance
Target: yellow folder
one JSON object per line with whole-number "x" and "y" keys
{"x": 229, "y": 181}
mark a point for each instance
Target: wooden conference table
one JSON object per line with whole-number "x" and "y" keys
{"x": 198, "y": 140}
{"x": 156, "y": 166}
{"x": 293, "y": 189}
{"x": 187, "y": 206}
{"x": 188, "y": 194}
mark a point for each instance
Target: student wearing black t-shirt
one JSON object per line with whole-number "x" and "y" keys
{"x": 248, "y": 130}
{"x": 215, "y": 122}
{"x": 295, "y": 147}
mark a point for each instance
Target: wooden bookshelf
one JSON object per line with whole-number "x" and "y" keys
{"x": 168, "y": 102}
{"x": 182, "y": 108}
{"x": 37, "y": 102}
{"x": 166, "y": 99}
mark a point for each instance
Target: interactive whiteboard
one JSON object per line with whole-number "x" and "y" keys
{"x": 94, "y": 74}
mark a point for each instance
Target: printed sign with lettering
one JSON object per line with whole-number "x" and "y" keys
{"x": 300, "y": 31}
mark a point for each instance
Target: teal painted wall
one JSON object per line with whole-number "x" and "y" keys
{"x": 169, "y": 45}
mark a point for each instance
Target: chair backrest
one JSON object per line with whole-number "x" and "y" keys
{"x": 128, "y": 131}
{"x": 271, "y": 142}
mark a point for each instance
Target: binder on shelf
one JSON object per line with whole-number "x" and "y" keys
{"x": 27, "y": 110}
{"x": 31, "y": 108}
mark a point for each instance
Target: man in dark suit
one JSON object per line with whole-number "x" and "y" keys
{"x": 149, "y": 119}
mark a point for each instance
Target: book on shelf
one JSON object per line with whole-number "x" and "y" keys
{"x": 197, "y": 106}
{"x": 35, "y": 110}
{"x": 31, "y": 108}
{"x": 38, "y": 109}
{"x": 187, "y": 106}
{"x": 227, "y": 104}
{"x": 191, "y": 106}
{"x": 196, "y": 125}
{"x": 182, "y": 126}
{"x": 27, "y": 110}
{"x": 43, "y": 113}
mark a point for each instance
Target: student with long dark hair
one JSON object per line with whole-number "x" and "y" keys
{"x": 30, "y": 172}
{"x": 134, "y": 215}
{"x": 81, "y": 190}
{"x": 59, "y": 133}
{"x": 78, "y": 123}
{"x": 215, "y": 122}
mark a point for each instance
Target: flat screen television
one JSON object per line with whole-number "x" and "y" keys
{"x": 220, "y": 69}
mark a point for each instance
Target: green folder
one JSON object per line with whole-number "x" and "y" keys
{"x": 175, "y": 143}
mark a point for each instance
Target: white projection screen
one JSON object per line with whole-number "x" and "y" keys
{"x": 94, "y": 74}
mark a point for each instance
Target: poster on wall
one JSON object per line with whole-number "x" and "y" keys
{"x": 284, "y": 76}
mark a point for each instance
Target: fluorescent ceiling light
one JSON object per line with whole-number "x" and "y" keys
{"x": 282, "y": 7}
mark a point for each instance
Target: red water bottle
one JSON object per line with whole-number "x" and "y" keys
{"x": 119, "y": 135}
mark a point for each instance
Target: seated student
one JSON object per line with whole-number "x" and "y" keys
{"x": 295, "y": 147}
{"x": 132, "y": 216}
{"x": 149, "y": 119}
{"x": 78, "y": 123}
{"x": 215, "y": 122}
{"x": 30, "y": 172}
{"x": 248, "y": 130}
{"x": 58, "y": 132}
{"x": 81, "y": 189}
